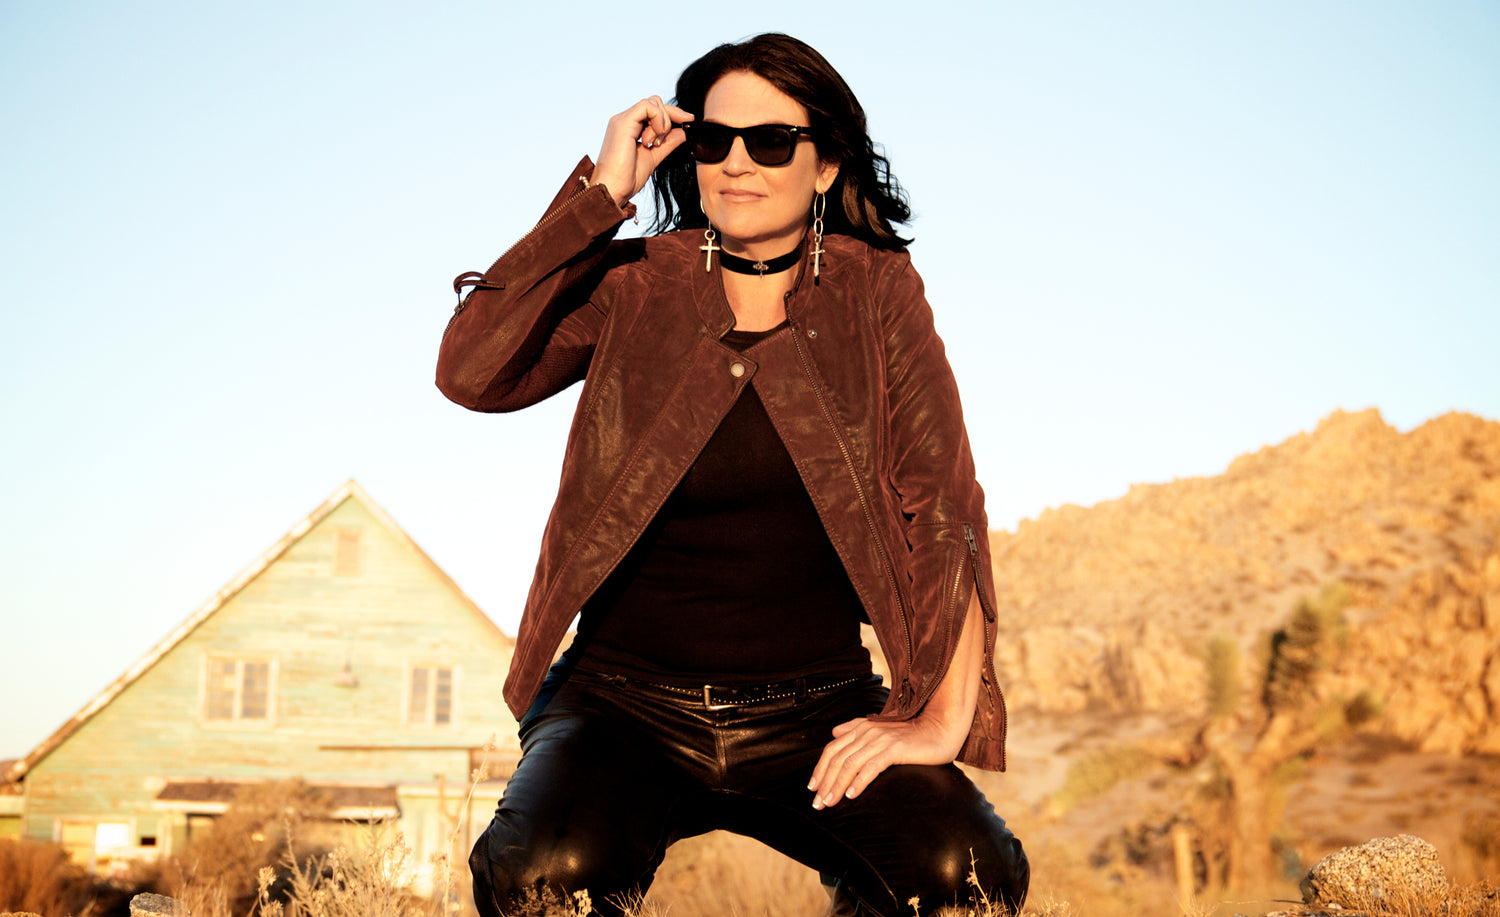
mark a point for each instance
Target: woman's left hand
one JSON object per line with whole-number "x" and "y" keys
{"x": 862, "y": 748}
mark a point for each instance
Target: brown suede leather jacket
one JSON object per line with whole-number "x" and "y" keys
{"x": 857, "y": 385}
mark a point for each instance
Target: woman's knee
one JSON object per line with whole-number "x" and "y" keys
{"x": 961, "y": 867}
{"x": 512, "y": 864}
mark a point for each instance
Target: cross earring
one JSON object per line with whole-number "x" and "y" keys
{"x": 819, "y": 205}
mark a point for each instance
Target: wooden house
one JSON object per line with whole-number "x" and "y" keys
{"x": 342, "y": 655}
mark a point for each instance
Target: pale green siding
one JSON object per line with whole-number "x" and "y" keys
{"x": 307, "y": 621}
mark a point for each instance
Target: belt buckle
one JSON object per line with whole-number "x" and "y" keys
{"x": 708, "y": 700}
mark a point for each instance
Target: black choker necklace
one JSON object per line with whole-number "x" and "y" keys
{"x": 762, "y": 268}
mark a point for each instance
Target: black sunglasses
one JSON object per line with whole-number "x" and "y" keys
{"x": 767, "y": 144}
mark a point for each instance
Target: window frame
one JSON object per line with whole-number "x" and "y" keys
{"x": 427, "y": 720}
{"x": 237, "y": 720}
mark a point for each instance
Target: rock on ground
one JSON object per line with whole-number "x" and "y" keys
{"x": 149, "y": 905}
{"x": 1387, "y": 870}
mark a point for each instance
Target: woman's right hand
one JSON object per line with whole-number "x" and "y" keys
{"x": 635, "y": 143}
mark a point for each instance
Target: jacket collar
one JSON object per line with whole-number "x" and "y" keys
{"x": 713, "y": 305}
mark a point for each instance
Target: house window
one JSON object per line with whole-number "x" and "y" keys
{"x": 429, "y": 698}
{"x": 237, "y": 690}
{"x": 346, "y": 553}
{"x": 93, "y": 845}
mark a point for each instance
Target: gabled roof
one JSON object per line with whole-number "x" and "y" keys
{"x": 349, "y": 491}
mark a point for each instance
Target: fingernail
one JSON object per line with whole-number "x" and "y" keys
{"x": 817, "y": 802}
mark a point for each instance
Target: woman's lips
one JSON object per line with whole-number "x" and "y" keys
{"x": 740, "y": 197}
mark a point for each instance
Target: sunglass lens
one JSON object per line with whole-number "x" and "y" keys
{"x": 709, "y": 142}
{"x": 769, "y": 145}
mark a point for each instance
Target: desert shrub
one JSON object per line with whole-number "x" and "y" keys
{"x": 366, "y": 880}
{"x": 1097, "y": 773}
{"x": 1480, "y": 839}
{"x": 1138, "y": 847}
{"x": 220, "y": 872}
{"x": 38, "y": 877}
{"x": 1478, "y": 899}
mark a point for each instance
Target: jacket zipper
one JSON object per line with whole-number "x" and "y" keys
{"x": 988, "y": 614}
{"x": 978, "y": 568}
{"x": 905, "y": 696}
{"x": 556, "y": 212}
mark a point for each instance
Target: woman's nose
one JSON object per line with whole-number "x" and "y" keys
{"x": 738, "y": 162}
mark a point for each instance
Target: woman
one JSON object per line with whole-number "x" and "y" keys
{"x": 767, "y": 451}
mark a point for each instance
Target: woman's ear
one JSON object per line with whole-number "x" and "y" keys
{"x": 827, "y": 173}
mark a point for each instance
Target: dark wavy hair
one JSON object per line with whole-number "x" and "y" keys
{"x": 869, "y": 199}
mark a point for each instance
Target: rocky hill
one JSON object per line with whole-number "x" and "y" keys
{"x": 1110, "y": 607}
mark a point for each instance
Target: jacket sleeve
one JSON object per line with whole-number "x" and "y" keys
{"x": 942, "y": 505}
{"x": 527, "y": 329}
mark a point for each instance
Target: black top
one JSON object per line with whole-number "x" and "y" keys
{"x": 735, "y": 580}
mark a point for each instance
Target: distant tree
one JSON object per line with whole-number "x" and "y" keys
{"x": 1223, "y": 664}
{"x": 1289, "y": 718}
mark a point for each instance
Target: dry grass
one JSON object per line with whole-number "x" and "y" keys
{"x": 1481, "y": 899}
{"x": 39, "y": 878}
{"x": 731, "y": 876}
{"x": 705, "y": 875}
{"x": 720, "y": 874}
{"x": 726, "y": 874}
{"x": 364, "y": 881}
{"x": 218, "y": 873}
{"x": 1067, "y": 882}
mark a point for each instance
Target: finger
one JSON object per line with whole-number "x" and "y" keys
{"x": 844, "y": 758}
{"x": 829, "y": 763}
{"x": 640, "y": 115}
{"x": 832, "y": 753}
{"x": 844, "y": 729}
{"x": 658, "y": 123}
{"x": 664, "y": 147}
{"x": 867, "y": 774}
{"x": 857, "y": 756}
{"x": 866, "y": 760}
{"x": 655, "y": 120}
{"x": 844, "y": 735}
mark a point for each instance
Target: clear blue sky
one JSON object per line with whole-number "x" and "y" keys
{"x": 1156, "y": 235}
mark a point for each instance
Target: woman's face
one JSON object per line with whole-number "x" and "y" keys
{"x": 759, "y": 211}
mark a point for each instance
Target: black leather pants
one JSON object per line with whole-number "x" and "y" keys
{"x": 613, "y": 771}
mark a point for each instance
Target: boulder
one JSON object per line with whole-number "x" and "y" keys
{"x": 149, "y": 905}
{"x": 1387, "y": 870}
